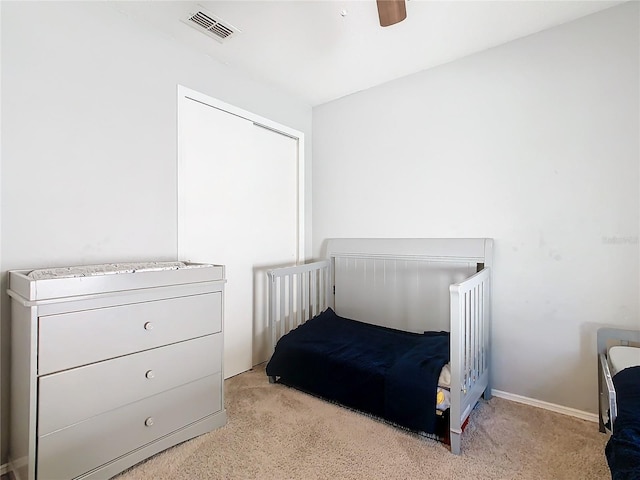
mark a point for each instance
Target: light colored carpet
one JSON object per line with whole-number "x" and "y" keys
{"x": 275, "y": 432}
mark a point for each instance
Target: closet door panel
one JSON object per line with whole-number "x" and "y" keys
{"x": 238, "y": 207}
{"x": 276, "y": 158}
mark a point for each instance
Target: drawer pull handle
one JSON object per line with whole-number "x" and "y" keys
{"x": 150, "y": 374}
{"x": 149, "y": 421}
{"x": 148, "y": 326}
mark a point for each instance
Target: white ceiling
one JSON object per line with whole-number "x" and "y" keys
{"x": 309, "y": 49}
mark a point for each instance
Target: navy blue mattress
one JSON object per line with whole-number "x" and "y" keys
{"x": 385, "y": 372}
{"x": 623, "y": 448}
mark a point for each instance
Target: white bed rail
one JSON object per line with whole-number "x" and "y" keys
{"x": 607, "y": 402}
{"x": 470, "y": 349}
{"x": 296, "y": 294}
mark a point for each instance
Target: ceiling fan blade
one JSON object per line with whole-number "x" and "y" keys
{"x": 391, "y": 12}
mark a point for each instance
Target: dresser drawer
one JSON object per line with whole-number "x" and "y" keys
{"x": 74, "y": 395}
{"x": 72, "y": 339}
{"x": 70, "y": 452}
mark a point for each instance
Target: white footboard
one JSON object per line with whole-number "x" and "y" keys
{"x": 470, "y": 349}
{"x": 296, "y": 294}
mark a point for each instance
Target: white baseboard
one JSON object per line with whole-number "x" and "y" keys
{"x": 572, "y": 412}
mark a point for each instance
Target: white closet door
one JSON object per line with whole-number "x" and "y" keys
{"x": 275, "y": 222}
{"x": 238, "y": 207}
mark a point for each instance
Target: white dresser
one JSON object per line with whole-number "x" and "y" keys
{"x": 112, "y": 366}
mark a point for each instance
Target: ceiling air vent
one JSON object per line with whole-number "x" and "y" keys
{"x": 211, "y": 25}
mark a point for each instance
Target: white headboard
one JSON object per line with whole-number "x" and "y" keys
{"x": 402, "y": 283}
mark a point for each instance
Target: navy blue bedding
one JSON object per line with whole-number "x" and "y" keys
{"x": 388, "y": 373}
{"x": 623, "y": 448}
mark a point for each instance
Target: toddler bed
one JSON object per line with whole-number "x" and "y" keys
{"x": 397, "y": 328}
{"x": 619, "y": 388}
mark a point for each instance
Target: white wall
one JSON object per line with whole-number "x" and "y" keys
{"x": 89, "y": 137}
{"x": 533, "y": 143}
